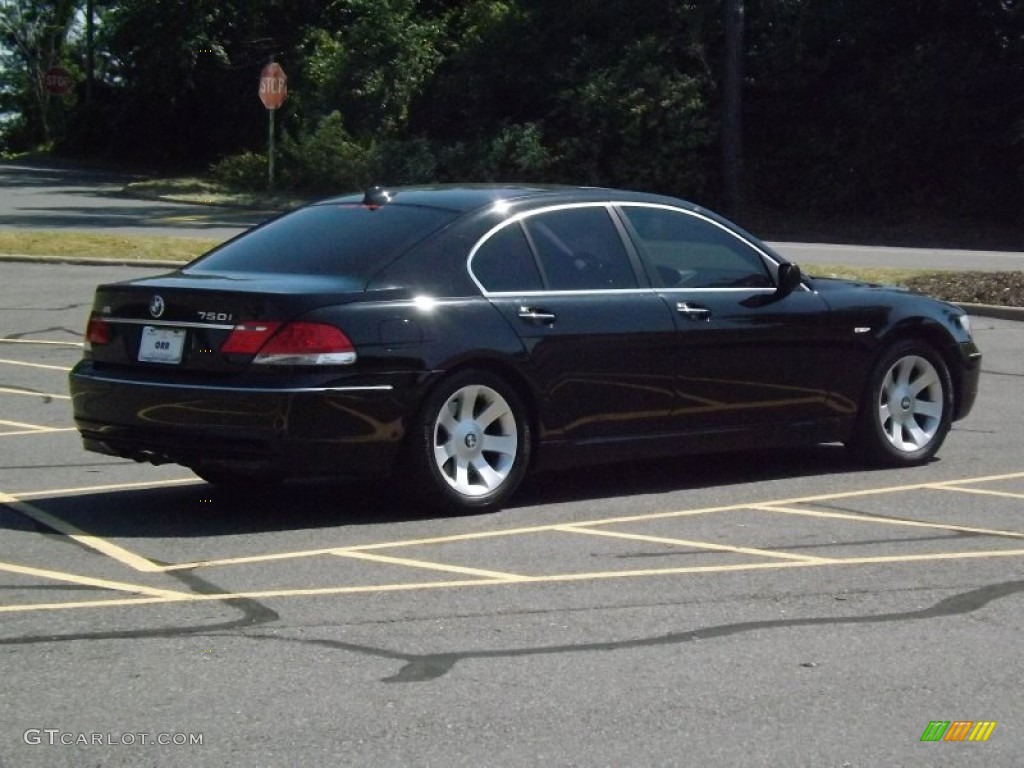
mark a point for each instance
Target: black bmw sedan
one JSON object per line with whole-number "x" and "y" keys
{"x": 454, "y": 337}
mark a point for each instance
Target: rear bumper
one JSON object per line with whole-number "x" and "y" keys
{"x": 315, "y": 428}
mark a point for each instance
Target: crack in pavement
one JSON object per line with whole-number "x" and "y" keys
{"x": 22, "y": 334}
{"x": 423, "y": 667}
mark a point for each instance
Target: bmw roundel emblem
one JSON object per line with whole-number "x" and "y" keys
{"x": 156, "y": 305}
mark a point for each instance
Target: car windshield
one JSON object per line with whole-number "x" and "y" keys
{"x": 327, "y": 239}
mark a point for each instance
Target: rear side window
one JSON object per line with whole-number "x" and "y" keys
{"x": 580, "y": 249}
{"x": 329, "y": 239}
{"x": 687, "y": 251}
{"x": 505, "y": 262}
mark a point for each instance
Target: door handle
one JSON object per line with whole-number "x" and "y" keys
{"x": 536, "y": 316}
{"x": 693, "y": 311}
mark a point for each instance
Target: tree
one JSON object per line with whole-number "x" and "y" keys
{"x": 33, "y": 34}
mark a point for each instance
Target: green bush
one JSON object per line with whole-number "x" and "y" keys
{"x": 247, "y": 171}
{"x": 325, "y": 160}
{"x": 396, "y": 161}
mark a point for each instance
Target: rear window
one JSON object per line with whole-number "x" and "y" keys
{"x": 329, "y": 239}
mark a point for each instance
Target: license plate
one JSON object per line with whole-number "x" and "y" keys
{"x": 161, "y": 345}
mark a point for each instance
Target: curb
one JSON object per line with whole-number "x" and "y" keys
{"x": 91, "y": 261}
{"x": 993, "y": 311}
{"x": 976, "y": 310}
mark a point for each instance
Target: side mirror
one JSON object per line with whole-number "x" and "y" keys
{"x": 789, "y": 278}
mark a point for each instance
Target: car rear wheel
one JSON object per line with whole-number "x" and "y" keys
{"x": 906, "y": 413}
{"x": 471, "y": 443}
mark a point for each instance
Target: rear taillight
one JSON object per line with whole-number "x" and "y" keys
{"x": 96, "y": 332}
{"x": 291, "y": 344}
{"x": 247, "y": 338}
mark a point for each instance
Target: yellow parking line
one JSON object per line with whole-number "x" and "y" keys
{"x": 460, "y": 537}
{"x": 30, "y": 429}
{"x": 250, "y": 559}
{"x": 694, "y": 544}
{"x": 102, "y": 546}
{"x": 886, "y": 520}
{"x": 493, "y": 575}
{"x": 89, "y": 581}
{"x": 27, "y": 607}
{"x": 9, "y": 391}
{"x": 41, "y": 431}
{"x": 42, "y": 341}
{"x": 36, "y": 365}
{"x": 982, "y": 491}
{"x": 112, "y": 487}
{"x": 933, "y": 556}
{"x": 22, "y": 424}
{"x": 549, "y": 579}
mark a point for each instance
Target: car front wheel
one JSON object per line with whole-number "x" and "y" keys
{"x": 471, "y": 443}
{"x": 907, "y": 409}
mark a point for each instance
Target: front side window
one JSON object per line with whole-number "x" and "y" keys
{"x": 688, "y": 251}
{"x": 580, "y": 249}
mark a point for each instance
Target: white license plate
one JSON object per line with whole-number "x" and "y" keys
{"x": 161, "y": 345}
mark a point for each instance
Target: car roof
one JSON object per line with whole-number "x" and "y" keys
{"x": 469, "y": 197}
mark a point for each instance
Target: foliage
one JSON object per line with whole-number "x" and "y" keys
{"x": 246, "y": 171}
{"x": 848, "y": 106}
{"x": 33, "y": 35}
{"x": 325, "y": 159}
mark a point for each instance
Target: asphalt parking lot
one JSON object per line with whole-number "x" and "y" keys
{"x": 752, "y": 609}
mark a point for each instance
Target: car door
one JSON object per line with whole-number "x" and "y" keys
{"x": 746, "y": 355}
{"x": 600, "y": 345}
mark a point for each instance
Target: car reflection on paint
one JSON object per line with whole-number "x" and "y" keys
{"x": 454, "y": 337}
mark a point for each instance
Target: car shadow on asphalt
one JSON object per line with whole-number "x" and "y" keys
{"x": 202, "y": 510}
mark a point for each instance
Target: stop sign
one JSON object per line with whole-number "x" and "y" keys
{"x": 58, "y": 80}
{"x": 273, "y": 86}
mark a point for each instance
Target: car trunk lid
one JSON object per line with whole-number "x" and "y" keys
{"x": 181, "y": 321}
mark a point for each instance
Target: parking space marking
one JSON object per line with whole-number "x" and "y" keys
{"x": 885, "y": 520}
{"x": 10, "y": 391}
{"x": 21, "y": 428}
{"x": 491, "y": 575}
{"x": 102, "y": 546}
{"x": 462, "y": 537}
{"x": 37, "y": 431}
{"x": 983, "y": 491}
{"x": 89, "y": 581}
{"x": 43, "y": 341}
{"x": 371, "y": 552}
{"x": 97, "y": 488}
{"x": 61, "y": 368}
{"x": 694, "y": 544}
{"x": 549, "y": 579}
{"x": 248, "y": 559}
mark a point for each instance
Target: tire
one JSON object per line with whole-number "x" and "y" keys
{"x": 470, "y": 445}
{"x": 907, "y": 408}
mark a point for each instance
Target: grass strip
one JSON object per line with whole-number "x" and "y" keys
{"x": 26, "y": 242}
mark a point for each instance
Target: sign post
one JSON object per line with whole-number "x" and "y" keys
{"x": 273, "y": 89}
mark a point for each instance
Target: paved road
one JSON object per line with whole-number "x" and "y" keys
{"x": 41, "y": 198}
{"x": 54, "y": 198}
{"x": 745, "y": 610}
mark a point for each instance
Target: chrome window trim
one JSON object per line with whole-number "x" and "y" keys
{"x": 609, "y": 207}
{"x": 515, "y": 218}
{"x": 614, "y": 292}
{"x": 663, "y": 207}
